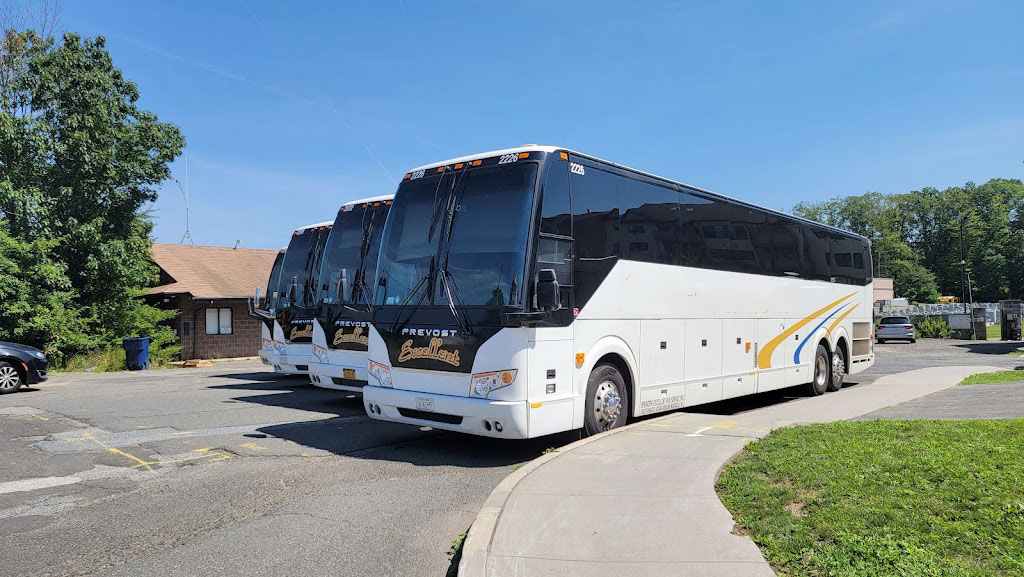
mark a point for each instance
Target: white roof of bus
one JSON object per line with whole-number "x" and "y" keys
{"x": 319, "y": 224}
{"x": 370, "y": 199}
{"x": 544, "y": 148}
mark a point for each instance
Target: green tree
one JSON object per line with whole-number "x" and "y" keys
{"x": 79, "y": 160}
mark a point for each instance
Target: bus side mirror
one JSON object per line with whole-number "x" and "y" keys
{"x": 548, "y": 298}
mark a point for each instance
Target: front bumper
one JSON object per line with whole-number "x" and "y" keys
{"x": 338, "y": 376}
{"x": 35, "y": 372}
{"x": 292, "y": 364}
{"x": 461, "y": 414}
{"x": 896, "y": 335}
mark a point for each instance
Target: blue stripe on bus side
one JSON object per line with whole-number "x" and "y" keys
{"x": 796, "y": 355}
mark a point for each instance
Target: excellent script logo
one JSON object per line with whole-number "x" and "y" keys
{"x": 432, "y": 351}
{"x": 297, "y": 333}
{"x": 356, "y": 336}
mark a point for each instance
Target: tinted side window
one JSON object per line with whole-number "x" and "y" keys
{"x": 596, "y": 228}
{"x": 817, "y": 251}
{"x": 555, "y": 215}
{"x": 596, "y": 213}
{"x": 719, "y": 235}
{"x": 650, "y": 222}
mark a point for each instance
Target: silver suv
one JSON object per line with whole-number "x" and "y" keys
{"x": 895, "y": 328}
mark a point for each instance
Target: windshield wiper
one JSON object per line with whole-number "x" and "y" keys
{"x": 396, "y": 324}
{"x": 447, "y": 280}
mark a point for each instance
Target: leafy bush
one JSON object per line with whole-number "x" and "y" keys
{"x": 934, "y": 327}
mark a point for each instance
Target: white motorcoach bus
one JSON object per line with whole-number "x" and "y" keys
{"x": 266, "y": 316}
{"x": 297, "y": 293}
{"x": 347, "y": 269}
{"x": 533, "y": 290}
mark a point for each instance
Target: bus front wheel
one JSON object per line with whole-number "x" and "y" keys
{"x": 822, "y": 371}
{"x": 607, "y": 400}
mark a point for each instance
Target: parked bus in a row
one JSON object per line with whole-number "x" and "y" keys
{"x": 533, "y": 290}
{"x": 266, "y": 315}
{"x": 347, "y": 277}
{"x": 293, "y": 319}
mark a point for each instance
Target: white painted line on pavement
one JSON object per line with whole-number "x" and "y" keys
{"x": 37, "y": 483}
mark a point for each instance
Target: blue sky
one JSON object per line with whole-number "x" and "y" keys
{"x": 290, "y": 109}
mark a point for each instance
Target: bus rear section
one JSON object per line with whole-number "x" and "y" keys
{"x": 536, "y": 290}
{"x": 348, "y": 274}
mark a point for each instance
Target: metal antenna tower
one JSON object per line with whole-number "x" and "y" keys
{"x": 184, "y": 192}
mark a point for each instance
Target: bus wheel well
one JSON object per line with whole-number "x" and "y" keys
{"x": 824, "y": 342}
{"x": 619, "y": 363}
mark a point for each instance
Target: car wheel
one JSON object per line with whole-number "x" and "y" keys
{"x": 607, "y": 400}
{"x": 819, "y": 385}
{"x": 913, "y": 340}
{"x": 835, "y": 381}
{"x": 10, "y": 378}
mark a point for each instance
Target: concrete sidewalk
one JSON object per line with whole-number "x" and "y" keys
{"x": 641, "y": 500}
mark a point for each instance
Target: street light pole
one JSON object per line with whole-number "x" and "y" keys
{"x": 963, "y": 262}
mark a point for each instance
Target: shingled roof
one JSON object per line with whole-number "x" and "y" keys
{"x": 212, "y": 271}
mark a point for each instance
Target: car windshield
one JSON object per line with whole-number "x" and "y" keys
{"x": 895, "y": 321}
{"x": 301, "y": 259}
{"x": 472, "y": 223}
{"x": 351, "y": 253}
{"x": 272, "y": 283}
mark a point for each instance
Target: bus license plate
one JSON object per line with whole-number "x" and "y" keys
{"x": 424, "y": 404}
{"x": 348, "y": 373}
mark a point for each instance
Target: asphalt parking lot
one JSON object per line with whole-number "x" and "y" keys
{"x": 235, "y": 471}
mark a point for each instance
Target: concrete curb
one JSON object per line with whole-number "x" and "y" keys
{"x": 477, "y": 545}
{"x": 478, "y": 540}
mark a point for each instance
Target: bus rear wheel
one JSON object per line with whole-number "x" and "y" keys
{"x": 822, "y": 370}
{"x": 607, "y": 400}
{"x": 835, "y": 381}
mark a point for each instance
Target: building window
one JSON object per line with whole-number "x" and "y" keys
{"x": 218, "y": 321}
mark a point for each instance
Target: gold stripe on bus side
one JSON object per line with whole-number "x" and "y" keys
{"x": 840, "y": 319}
{"x": 764, "y": 358}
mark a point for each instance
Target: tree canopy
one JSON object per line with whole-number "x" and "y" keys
{"x": 916, "y": 237}
{"x": 79, "y": 161}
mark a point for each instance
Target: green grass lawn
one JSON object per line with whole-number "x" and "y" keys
{"x": 993, "y": 332}
{"x": 871, "y": 498}
{"x": 996, "y": 377}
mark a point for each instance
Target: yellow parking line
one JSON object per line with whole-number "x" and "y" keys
{"x": 140, "y": 462}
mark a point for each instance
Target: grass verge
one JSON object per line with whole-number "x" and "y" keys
{"x": 867, "y": 498}
{"x": 996, "y": 377}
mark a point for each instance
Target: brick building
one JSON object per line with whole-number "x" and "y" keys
{"x": 208, "y": 286}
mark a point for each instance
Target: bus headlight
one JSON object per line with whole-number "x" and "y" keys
{"x": 380, "y": 372}
{"x": 483, "y": 383}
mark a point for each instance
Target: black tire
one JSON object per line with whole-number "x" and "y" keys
{"x": 607, "y": 404}
{"x": 838, "y": 372}
{"x": 879, "y": 341}
{"x": 819, "y": 381}
{"x": 912, "y": 341}
{"x": 10, "y": 379}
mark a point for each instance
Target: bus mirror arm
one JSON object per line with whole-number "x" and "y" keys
{"x": 547, "y": 290}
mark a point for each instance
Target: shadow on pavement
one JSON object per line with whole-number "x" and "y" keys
{"x": 991, "y": 348}
{"x": 348, "y": 431}
{"x": 263, "y": 376}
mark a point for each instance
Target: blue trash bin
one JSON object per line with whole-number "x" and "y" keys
{"x": 136, "y": 353}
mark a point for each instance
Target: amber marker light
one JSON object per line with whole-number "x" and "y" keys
{"x": 561, "y": 154}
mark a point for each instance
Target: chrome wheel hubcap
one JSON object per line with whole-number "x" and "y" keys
{"x": 8, "y": 378}
{"x": 820, "y": 371}
{"x": 607, "y": 405}
{"x": 838, "y": 367}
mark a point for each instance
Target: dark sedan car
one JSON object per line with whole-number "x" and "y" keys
{"x": 20, "y": 365}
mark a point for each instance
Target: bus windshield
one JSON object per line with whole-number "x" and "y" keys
{"x": 272, "y": 283}
{"x": 351, "y": 253}
{"x": 470, "y": 226}
{"x": 298, "y": 276}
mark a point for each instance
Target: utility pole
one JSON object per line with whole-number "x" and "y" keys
{"x": 184, "y": 192}
{"x": 963, "y": 262}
